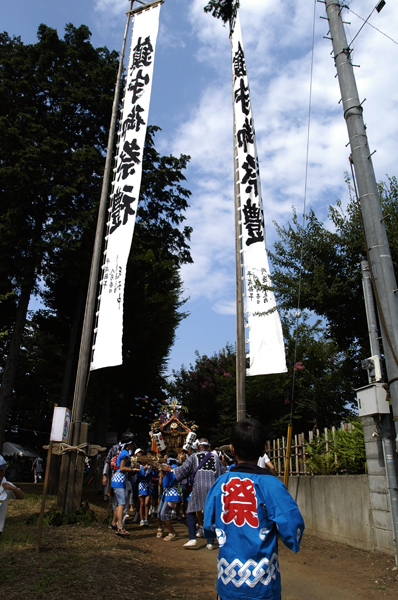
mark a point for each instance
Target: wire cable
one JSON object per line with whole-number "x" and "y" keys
{"x": 298, "y": 312}
{"x": 367, "y": 22}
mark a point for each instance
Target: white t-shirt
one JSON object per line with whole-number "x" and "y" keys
{"x": 262, "y": 460}
{"x": 5, "y": 496}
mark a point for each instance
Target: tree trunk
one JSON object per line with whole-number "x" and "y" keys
{"x": 10, "y": 368}
{"x": 72, "y": 345}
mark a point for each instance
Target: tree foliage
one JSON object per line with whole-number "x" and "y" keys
{"x": 323, "y": 395}
{"x": 331, "y": 272}
{"x": 222, "y": 9}
{"x": 343, "y": 452}
{"x": 55, "y": 101}
{"x": 54, "y": 123}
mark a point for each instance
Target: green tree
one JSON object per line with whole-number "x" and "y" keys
{"x": 55, "y": 100}
{"x": 222, "y": 9}
{"x": 152, "y": 309}
{"x": 323, "y": 394}
{"x": 331, "y": 273}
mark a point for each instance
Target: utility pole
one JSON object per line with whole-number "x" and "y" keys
{"x": 386, "y": 439}
{"x": 240, "y": 317}
{"x": 378, "y": 251}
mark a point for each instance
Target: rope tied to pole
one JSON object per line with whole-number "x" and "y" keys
{"x": 84, "y": 449}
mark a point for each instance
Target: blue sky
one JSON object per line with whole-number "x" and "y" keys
{"x": 191, "y": 102}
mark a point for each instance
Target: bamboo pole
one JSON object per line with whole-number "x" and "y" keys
{"x": 44, "y": 496}
{"x": 91, "y": 299}
{"x": 240, "y": 317}
{"x": 288, "y": 450}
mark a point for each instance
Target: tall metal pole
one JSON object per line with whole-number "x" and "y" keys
{"x": 376, "y": 236}
{"x": 386, "y": 440}
{"x": 91, "y": 300}
{"x": 240, "y": 317}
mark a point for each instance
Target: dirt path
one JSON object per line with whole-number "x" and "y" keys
{"x": 92, "y": 563}
{"x": 320, "y": 571}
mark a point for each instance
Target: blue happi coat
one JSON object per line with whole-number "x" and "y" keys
{"x": 247, "y": 507}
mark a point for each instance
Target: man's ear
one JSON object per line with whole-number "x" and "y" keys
{"x": 232, "y": 449}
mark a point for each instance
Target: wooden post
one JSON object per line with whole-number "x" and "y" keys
{"x": 79, "y": 475}
{"x": 69, "y": 499}
{"x": 279, "y": 454}
{"x": 44, "y": 496}
{"x": 43, "y": 499}
{"x": 288, "y": 450}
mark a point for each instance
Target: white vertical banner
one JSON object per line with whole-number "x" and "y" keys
{"x": 265, "y": 338}
{"x": 108, "y": 334}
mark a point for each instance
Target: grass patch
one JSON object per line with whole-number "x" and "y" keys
{"x": 79, "y": 558}
{"x": 84, "y": 516}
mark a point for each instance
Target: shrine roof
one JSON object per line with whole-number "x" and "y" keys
{"x": 166, "y": 423}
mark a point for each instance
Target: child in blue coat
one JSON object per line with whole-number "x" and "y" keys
{"x": 169, "y": 500}
{"x": 247, "y": 507}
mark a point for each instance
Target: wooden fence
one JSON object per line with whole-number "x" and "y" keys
{"x": 298, "y": 455}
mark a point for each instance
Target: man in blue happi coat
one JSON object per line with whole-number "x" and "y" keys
{"x": 247, "y": 507}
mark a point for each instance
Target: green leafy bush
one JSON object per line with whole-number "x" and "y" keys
{"x": 318, "y": 461}
{"x": 349, "y": 446}
{"x": 346, "y": 453}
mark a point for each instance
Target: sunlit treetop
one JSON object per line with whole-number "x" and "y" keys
{"x": 222, "y": 9}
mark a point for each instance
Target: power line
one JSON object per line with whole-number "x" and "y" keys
{"x": 366, "y": 21}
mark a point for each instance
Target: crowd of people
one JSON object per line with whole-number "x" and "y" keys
{"x": 231, "y": 498}
{"x": 145, "y": 490}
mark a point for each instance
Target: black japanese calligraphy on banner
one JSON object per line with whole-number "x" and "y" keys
{"x": 252, "y": 175}
{"x": 137, "y": 85}
{"x": 107, "y": 350}
{"x": 265, "y": 339}
{"x": 253, "y": 223}
{"x": 121, "y": 205}
{"x": 242, "y": 97}
{"x": 142, "y": 54}
{"x": 239, "y": 63}
{"x": 133, "y": 120}
{"x": 129, "y": 157}
{"x": 245, "y": 135}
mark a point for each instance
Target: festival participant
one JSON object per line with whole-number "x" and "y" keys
{"x": 265, "y": 463}
{"x": 144, "y": 477}
{"x": 134, "y": 485}
{"x": 107, "y": 471}
{"x": 170, "y": 498}
{"x": 203, "y": 467}
{"x": 7, "y": 492}
{"x": 155, "y": 488}
{"x": 248, "y": 509}
{"x": 118, "y": 484}
{"x": 38, "y": 469}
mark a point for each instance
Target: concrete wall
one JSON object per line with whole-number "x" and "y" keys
{"x": 335, "y": 507}
{"x": 380, "y": 519}
{"x": 351, "y": 509}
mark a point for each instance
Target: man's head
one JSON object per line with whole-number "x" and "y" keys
{"x": 127, "y": 436}
{"x": 203, "y": 444}
{"x": 248, "y": 439}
